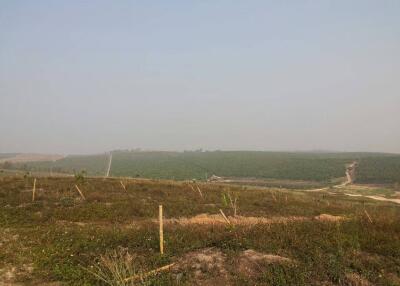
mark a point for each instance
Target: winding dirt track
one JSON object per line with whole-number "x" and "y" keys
{"x": 377, "y": 198}
{"x": 350, "y": 174}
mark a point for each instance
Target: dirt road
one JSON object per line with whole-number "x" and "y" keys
{"x": 109, "y": 166}
{"x": 350, "y": 177}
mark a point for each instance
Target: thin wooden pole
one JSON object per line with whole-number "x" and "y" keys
{"x": 34, "y": 190}
{"x": 368, "y": 216}
{"x": 235, "y": 207}
{"x": 224, "y": 216}
{"x": 198, "y": 189}
{"x": 123, "y": 186}
{"x": 160, "y": 213}
{"x": 152, "y": 272}
{"x": 80, "y": 192}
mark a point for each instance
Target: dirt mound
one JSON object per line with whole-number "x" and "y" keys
{"x": 255, "y": 256}
{"x": 355, "y": 279}
{"x": 206, "y": 267}
{"x": 207, "y": 219}
{"x": 251, "y": 262}
{"x": 210, "y": 266}
{"x": 9, "y": 274}
{"x": 329, "y": 218}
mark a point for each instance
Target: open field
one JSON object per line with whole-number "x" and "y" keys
{"x": 316, "y": 168}
{"x": 279, "y": 236}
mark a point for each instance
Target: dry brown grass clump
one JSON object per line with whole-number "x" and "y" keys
{"x": 116, "y": 267}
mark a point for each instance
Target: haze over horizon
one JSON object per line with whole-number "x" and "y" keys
{"x": 87, "y": 77}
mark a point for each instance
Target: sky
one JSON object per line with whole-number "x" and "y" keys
{"x": 91, "y": 76}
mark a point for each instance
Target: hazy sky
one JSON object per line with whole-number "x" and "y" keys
{"x": 90, "y": 76}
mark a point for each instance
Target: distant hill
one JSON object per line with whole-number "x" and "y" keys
{"x": 28, "y": 157}
{"x": 310, "y": 166}
{"x": 7, "y": 155}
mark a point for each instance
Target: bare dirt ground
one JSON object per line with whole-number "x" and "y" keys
{"x": 207, "y": 267}
{"x": 210, "y": 266}
{"x": 9, "y": 273}
{"x": 211, "y": 219}
{"x": 355, "y": 279}
{"x": 379, "y": 198}
{"x": 214, "y": 219}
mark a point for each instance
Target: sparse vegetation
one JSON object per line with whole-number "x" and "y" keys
{"x": 80, "y": 176}
{"x": 115, "y": 268}
{"x": 60, "y": 236}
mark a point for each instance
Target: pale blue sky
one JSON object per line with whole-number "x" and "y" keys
{"x": 90, "y": 76}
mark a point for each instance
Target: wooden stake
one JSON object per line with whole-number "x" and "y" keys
{"x": 122, "y": 184}
{"x": 198, "y": 189}
{"x": 80, "y": 192}
{"x": 224, "y": 216}
{"x": 152, "y": 272}
{"x": 34, "y": 190}
{"x": 369, "y": 218}
{"x": 160, "y": 215}
{"x": 235, "y": 207}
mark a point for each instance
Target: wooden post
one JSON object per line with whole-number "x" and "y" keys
{"x": 368, "y": 216}
{"x": 80, "y": 192}
{"x": 198, "y": 189}
{"x": 152, "y": 272}
{"x": 235, "y": 207}
{"x": 123, "y": 186}
{"x": 160, "y": 213}
{"x": 34, "y": 190}
{"x": 273, "y": 196}
{"x": 224, "y": 216}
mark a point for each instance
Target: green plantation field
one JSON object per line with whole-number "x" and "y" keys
{"x": 318, "y": 167}
{"x": 379, "y": 169}
{"x": 94, "y": 165}
{"x": 4, "y": 156}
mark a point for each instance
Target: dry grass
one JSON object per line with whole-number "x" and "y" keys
{"x": 115, "y": 267}
{"x": 115, "y": 231}
{"x": 217, "y": 219}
